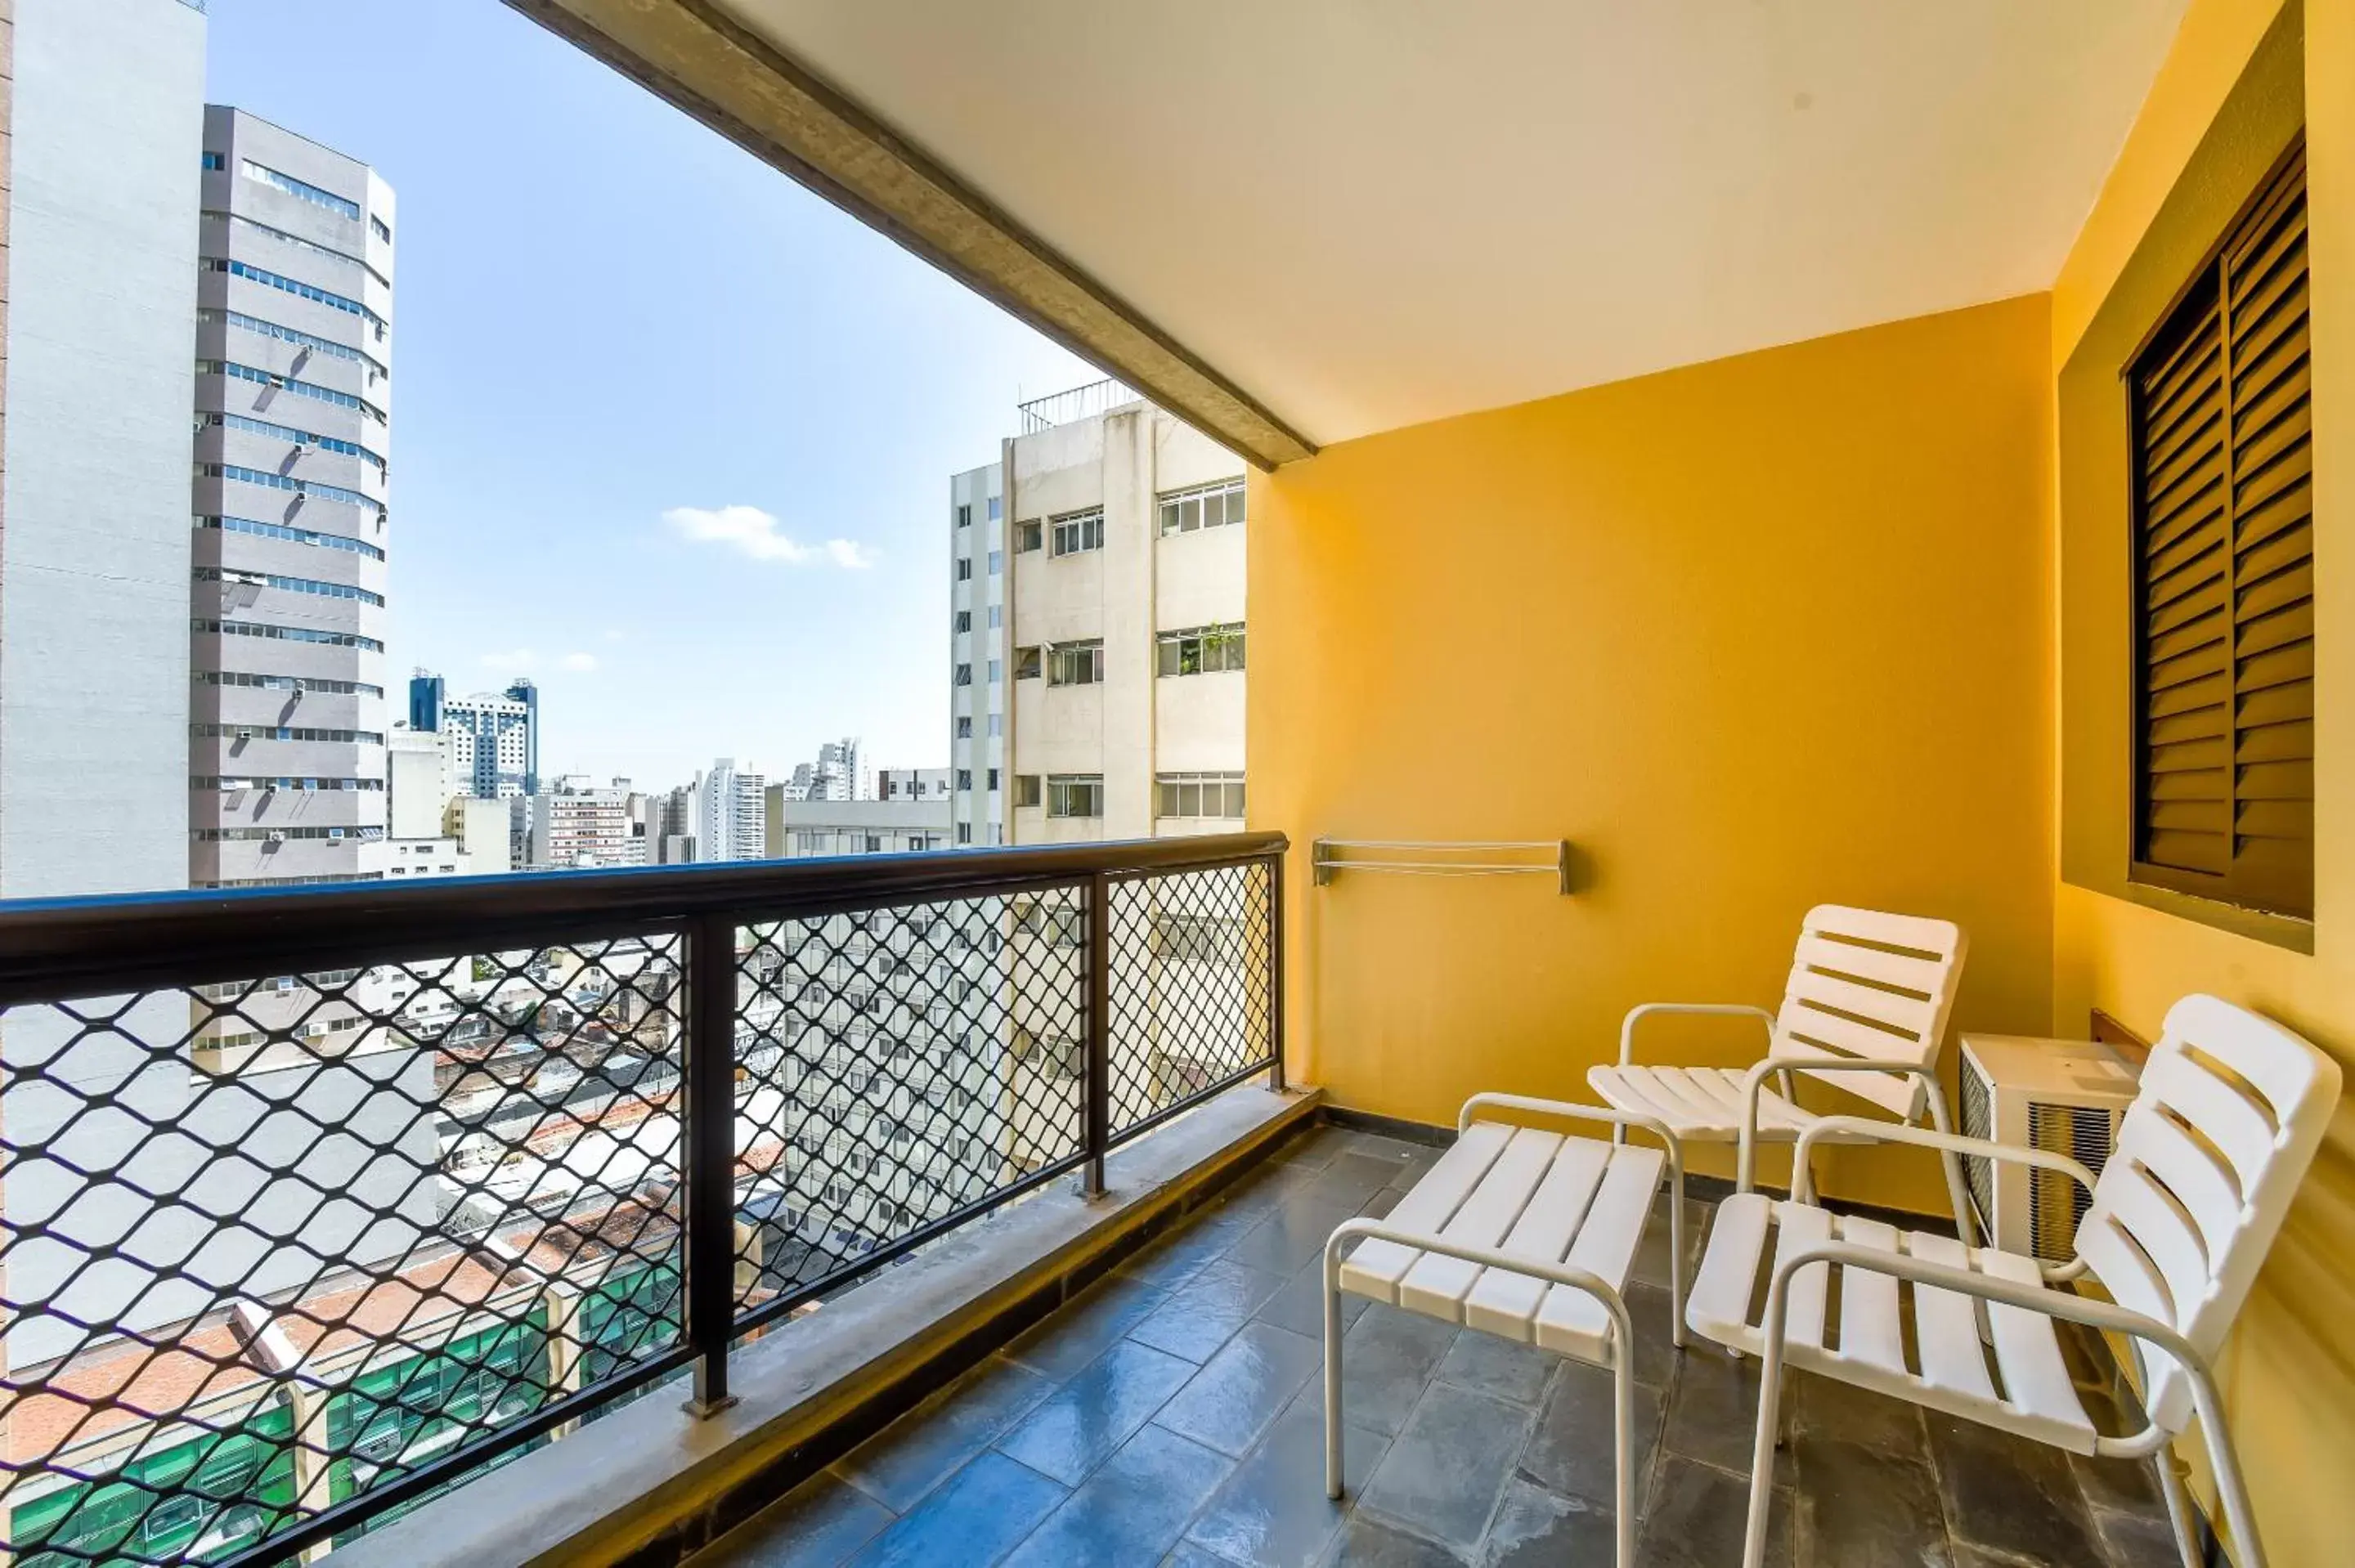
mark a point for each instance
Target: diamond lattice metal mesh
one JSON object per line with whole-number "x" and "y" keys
{"x": 892, "y": 1073}
{"x": 272, "y": 1242}
{"x": 1192, "y": 991}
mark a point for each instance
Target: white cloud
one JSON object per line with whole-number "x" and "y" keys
{"x": 580, "y": 663}
{"x": 756, "y": 533}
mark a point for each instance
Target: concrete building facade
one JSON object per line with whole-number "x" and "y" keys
{"x": 1126, "y": 641}
{"x": 913, "y": 784}
{"x": 108, "y": 130}
{"x": 293, "y": 397}
{"x": 977, "y": 656}
{"x": 579, "y": 824}
{"x": 838, "y": 774}
{"x": 798, "y": 829}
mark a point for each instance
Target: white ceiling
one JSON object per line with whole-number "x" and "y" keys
{"x": 1371, "y": 213}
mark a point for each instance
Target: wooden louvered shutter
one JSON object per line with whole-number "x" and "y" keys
{"x": 2225, "y": 572}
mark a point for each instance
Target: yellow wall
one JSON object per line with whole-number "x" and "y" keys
{"x": 2290, "y": 1374}
{"x": 1755, "y": 635}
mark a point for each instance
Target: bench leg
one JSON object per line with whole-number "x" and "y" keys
{"x": 1333, "y": 1368}
{"x": 1770, "y": 1408}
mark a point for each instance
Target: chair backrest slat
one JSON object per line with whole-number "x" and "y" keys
{"x": 1875, "y": 987}
{"x": 2231, "y": 1111}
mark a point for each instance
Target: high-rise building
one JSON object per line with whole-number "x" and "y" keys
{"x": 579, "y": 824}
{"x": 293, "y": 397}
{"x": 490, "y": 740}
{"x": 1124, "y": 642}
{"x": 107, "y": 114}
{"x": 838, "y": 774}
{"x": 977, "y": 656}
{"x": 731, "y": 813}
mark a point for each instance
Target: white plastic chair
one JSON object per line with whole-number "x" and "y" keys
{"x": 2208, "y": 1157}
{"x": 1865, "y": 1010}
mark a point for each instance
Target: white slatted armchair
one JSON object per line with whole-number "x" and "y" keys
{"x": 1865, "y": 1010}
{"x": 2208, "y": 1158}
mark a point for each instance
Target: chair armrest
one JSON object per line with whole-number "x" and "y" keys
{"x": 1719, "y": 1008}
{"x": 1753, "y": 1080}
{"x": 1803, "y": 1189}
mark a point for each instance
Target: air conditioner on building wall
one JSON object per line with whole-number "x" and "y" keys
{"x": 2066, "y": 1095}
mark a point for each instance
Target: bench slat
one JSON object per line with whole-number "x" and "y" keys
{"x": 1377, "y": 1266}
{"x": 1437, "y": 1284}
{"x": 1870, "y": 1328}
{"x": 1945, "y": 1326}
{"x": 1572, "y": 1321}
{"x": 1506, "y": 1304}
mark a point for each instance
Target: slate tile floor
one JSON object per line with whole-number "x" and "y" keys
{"x": 1173, "y": 1416}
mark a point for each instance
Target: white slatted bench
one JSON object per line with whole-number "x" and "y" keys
{"x": 1524, "y": 1233}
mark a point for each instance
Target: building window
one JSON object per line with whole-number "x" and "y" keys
{"x": 1075, "y": 795}
{"x": 303, "y": 189}
{"x": 964, "y": 778}
{"x": 874, "y": 844}
{"x": 993, "y": 509}
{"x": 1026, "y": 788}
{"x": 964, "y": 726}
{"x": 1080, "y": 531}
{"x": 383, "y": 229}
{"x": 996, "y": 671}
{"x": 1075, "y": 665}
{"x": 1210, "y": 506}
{"x": 1027, "y": 663}
{"x": 964, "y": 568}
{"x": 1029, "y": 535}
{"x": 1200, "y": 651}
{"x": 2225, "y": 572}
{"x": 965, "y": 833}
{"x": 993, "y": 779}
{"x": 997, "y": 562}
{"x": 1218, "y": 795}
{"x": 965, "y": 620}
{"x": 214, "y": 162}
{"x": 965, "y": 674}
{"x": 996, "y": 725}
{"x": 997, "y": 616}
{"x": 964, "y": 515}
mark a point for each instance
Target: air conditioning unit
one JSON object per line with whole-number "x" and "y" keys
{"x": 2066, "y": 1095}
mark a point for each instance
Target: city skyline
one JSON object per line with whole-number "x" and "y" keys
{"x": 713, "y": 535}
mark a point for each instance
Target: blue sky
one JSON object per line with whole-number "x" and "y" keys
{"x": 605, "y": 315}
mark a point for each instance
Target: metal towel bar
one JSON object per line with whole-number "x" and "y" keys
{"x": 1330, "y": 855}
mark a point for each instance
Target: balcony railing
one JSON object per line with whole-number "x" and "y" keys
{"x": 1070, "y": 407}
{"x": 316, "y": 1203}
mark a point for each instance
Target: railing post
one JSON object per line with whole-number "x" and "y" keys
{"x": 711, "y": 1134}
{"x": 1095, "y": 1077}
{"x": 1276, "y": 1080}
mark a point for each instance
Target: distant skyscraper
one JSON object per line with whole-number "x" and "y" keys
{"x": 731, "y": 814}
{"x": 293, "y": 351}
{"x": 838, "y": 774}
{"x": 490, "y": 740}
{"x": 977, "y": 656}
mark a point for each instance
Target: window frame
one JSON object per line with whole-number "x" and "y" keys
{"x": 1076, "y": 533}
{"x": 2249, "y": 886}
{"x": 1067, "y": 790}
{"x": 1076, "y": 663}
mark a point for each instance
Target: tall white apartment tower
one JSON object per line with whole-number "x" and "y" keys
{"x": 294, "y": 400}
{"x": 1125, "y": 648}
{"x": 731, "y": 813}
{"x": 108, "y": 128}
{"x": 977, "y": 657}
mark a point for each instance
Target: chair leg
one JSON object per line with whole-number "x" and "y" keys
{"x": 1332, "y": 1372}
{"x": 1957, "y": 1192}
{"x": 1762, "y": 1450}
{"x": 1675, "y": 1261}
{"x": 2225, "y": 1461}
{"x": 2179, "y": 1509}
{"x": 1623, "y": 1446}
